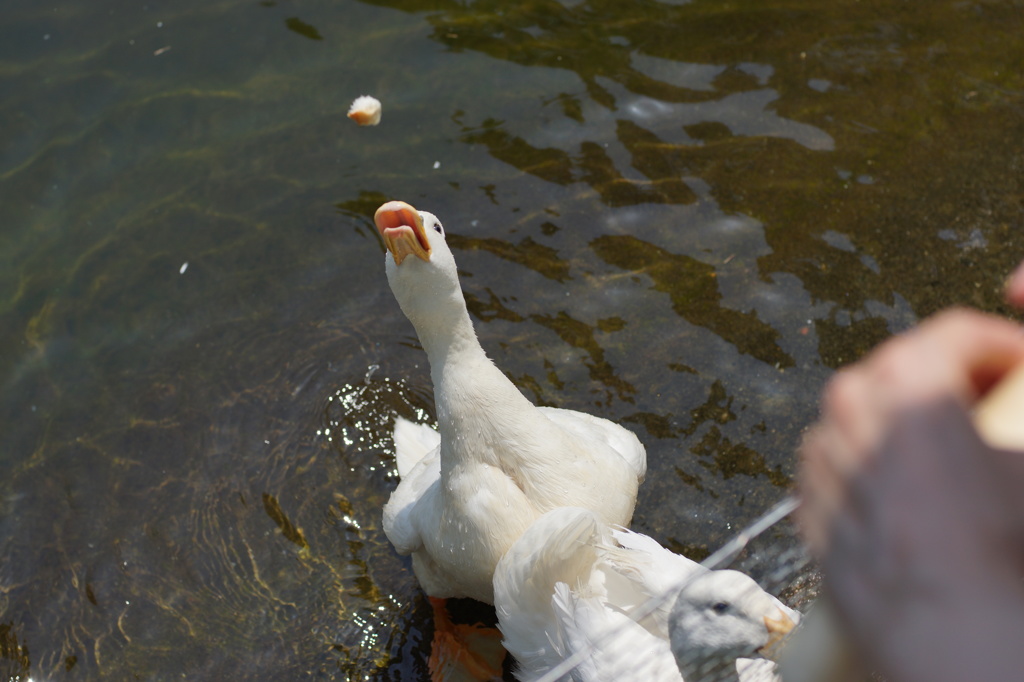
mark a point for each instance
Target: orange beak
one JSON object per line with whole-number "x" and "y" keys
{"x": 402, "y": 229}
{"x": 778, "y": 628}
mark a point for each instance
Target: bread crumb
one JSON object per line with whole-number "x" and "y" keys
{"x": 365, "y": 110}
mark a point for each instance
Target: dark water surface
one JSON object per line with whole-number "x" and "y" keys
{"x": 683, "y": 216}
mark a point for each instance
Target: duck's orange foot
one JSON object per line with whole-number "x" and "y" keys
{"x": 463, "y": 653}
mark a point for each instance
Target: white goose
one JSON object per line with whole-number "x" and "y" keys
{"x": 498, "y": 462}
{"x": 574, "y": 587}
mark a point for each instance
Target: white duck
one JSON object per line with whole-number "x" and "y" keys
{"x": 499, "y": 462}
{"x": 573, "y": 587}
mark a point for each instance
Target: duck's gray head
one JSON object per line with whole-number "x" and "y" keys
{"x": 720, "y": 616}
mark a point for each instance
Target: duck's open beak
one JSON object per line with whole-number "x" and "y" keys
{"x": 778, "y": 628}
{"x": 402, "y": 229}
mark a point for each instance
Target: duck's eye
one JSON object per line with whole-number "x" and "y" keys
{"x": 720, "y": 607}
{"x": 438, "y": 228}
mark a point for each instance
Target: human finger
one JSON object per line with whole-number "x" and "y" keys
{"x": 854, "y": 404}
{"x": 1015, "y": 287}
{"x": 822, "y": 479}
{"x": 959, "y": 353}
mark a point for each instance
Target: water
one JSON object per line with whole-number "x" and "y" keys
{"x": 680, "y": 216}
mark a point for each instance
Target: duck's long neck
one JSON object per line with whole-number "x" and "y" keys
{"x": 449, "y": 341}
{"x": 476, "y": 403}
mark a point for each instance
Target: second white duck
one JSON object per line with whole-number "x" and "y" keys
{"x": 574, "y": 589}
{"x": 498, "y": 462}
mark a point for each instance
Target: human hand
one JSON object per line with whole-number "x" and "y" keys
{"x": 925, "y": 557}
{"x": 957, "y": 354}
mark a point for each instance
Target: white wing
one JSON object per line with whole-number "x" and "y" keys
{"x": 653, "y": 572}
{"x": 572, "y": 584}
{"x": 586, "y": 426}
{"x": 413, "y": 442}
{"x": 618, "y": 649}
{"x": 558, "y": 547}
{"x": 413, "y": 498}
